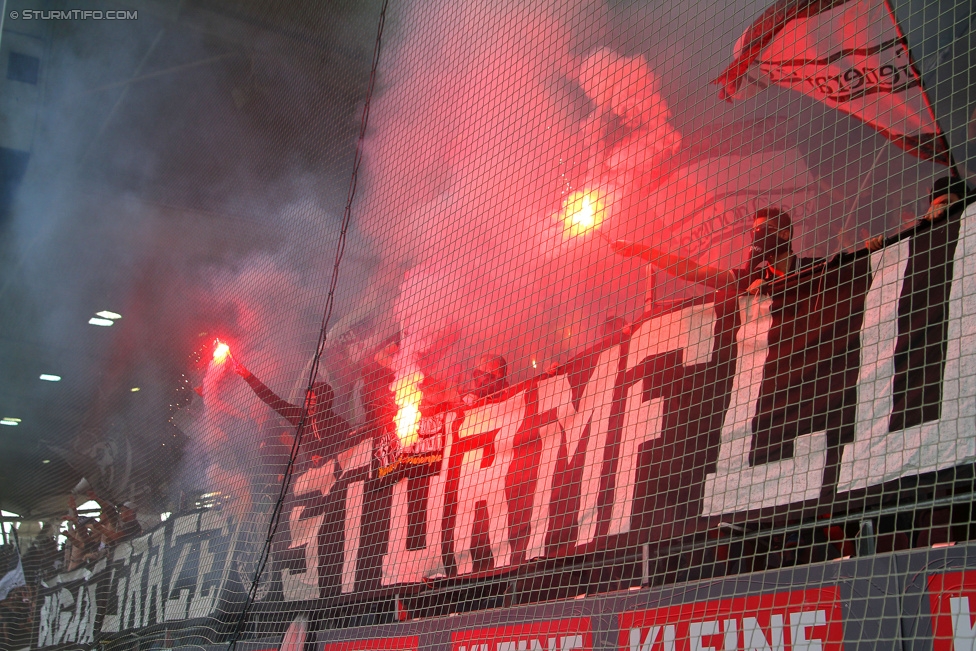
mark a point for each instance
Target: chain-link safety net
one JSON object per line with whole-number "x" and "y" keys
{"x": 562, "y": 325}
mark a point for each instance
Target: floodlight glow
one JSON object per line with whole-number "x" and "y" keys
{"x": 47, "y": 377}
{"x": 46, "y": 461}
{"x": 11, "y": 419}
{"x": 105, "y": 314}
{"x": 11, "y": 423}
{"x": 134, "y": 389}
{"x": 100, "y": 322}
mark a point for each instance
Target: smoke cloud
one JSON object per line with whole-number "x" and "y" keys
{"x": 200, "y": 184}
{"x": 491, "y": 119}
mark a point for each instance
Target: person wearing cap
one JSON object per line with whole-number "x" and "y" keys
{"x": 949, "y": 196}
{"x": 771, "y": 257}
{"x": 324, "y": 429}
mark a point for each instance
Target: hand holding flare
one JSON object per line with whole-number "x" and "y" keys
{"x": 221, "y": 351}
{"x": 239, "y": 368}
{"x": 679, "y": 266}
{"x": 633, "y": 249}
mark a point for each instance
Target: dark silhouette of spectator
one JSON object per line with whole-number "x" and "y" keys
{"x": 325, "y": 430}
{"x": 17, "y": 606}
{"x": 82, "y": 540}
{"x": 488, "y": 377}
{"x": 771, "y": 257}
{"x": 41, "y": 558}
{"x": 115, "y": 524}
{"x": 948, "y": 198}
{"x": 378, "y": 376}
{"x": 82, "y": 545}
{"x": 128, "y": 525}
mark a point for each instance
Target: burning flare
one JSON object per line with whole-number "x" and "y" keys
{"x": 582, "y": 212}
{"x": 407, "y": 395}
{"x": 221, "y": 352}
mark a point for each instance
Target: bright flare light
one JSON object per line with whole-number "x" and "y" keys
{"x": 47, "y": 377}
{"x": 100, "y": 322}
{"x": 221, "y": 352}
{"x": 407, "y": 395}
{"x": 582, "y": 211}
{"x": 105, "y": 314}
{"x": 12, "y": 422}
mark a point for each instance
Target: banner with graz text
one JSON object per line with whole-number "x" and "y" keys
{"x": 178, "y": 575}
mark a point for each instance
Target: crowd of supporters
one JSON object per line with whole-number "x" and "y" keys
{"x": 91, "y": 538}
{"x": 85, "y": 539}
{"x": 727, "y": 549}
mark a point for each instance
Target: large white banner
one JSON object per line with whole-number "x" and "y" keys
{"x": 849, "y": 377}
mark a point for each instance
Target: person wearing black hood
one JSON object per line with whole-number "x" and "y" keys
{"x": 325, "y": 430}
{"x": 771, "y": 256}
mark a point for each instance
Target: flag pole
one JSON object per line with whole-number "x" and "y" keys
{"x": 953, "y": 168}
{"x": 848, "y": 220}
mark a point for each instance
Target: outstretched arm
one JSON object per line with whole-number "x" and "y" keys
{"x": 676, "y": 265}
{"x": 288, "y": 411}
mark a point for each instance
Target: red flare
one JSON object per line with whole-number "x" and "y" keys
{"x": 221, "y": 352}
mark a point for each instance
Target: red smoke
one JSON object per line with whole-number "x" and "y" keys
{"x": 481, "y": 141}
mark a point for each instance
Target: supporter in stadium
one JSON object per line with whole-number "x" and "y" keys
{"x": 115, "y": 524}
{"x": 948, "y": 198}
{"x": 378, "y": 376}
{"x": 488, "y": 377}
{"x": 128, "y": 526}
{"x": 325, "y": 430}
{"x": 17, "y": 606}
{"x": 41, "y": 559}
{"x": 771, "y": 257}
{"x": 82, "y": 539}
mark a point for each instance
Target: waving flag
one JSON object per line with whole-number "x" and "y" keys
{"x": 848, "y": 54}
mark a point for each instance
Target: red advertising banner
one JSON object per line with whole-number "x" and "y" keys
{"x": 800, "y": 620}
{"x": 406, "y": 643}
{"x": 557, "y": 635}
{"x": 950, "y": 598}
